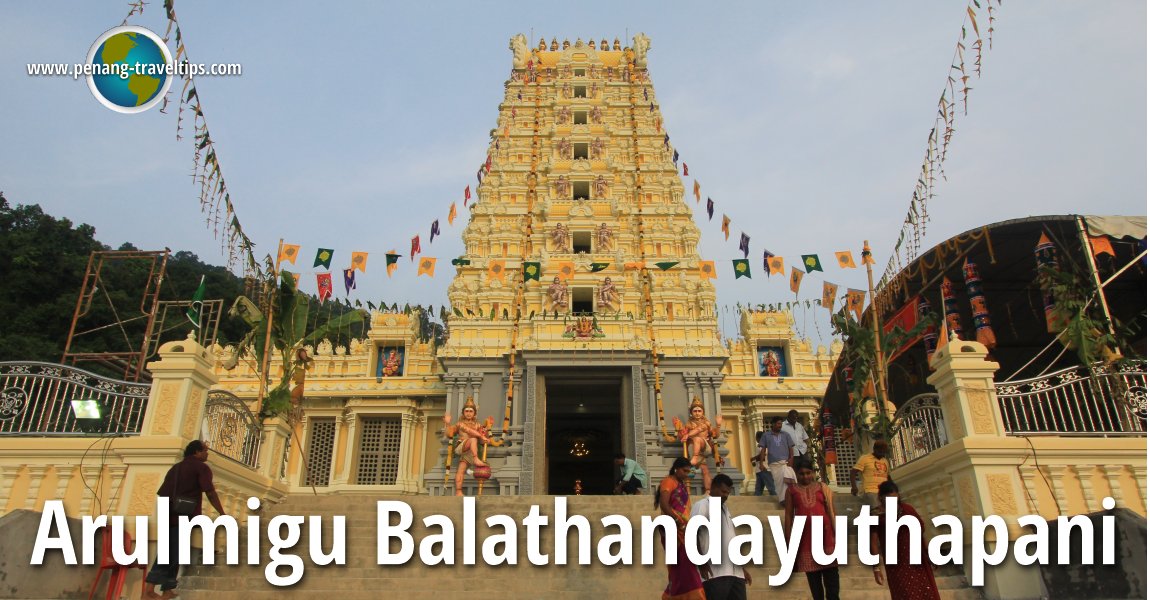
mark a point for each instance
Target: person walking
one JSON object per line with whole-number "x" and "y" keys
{"x": 904, "y": 580}
{"x": 673, "y": 500}
{"x": 813, "y": 500}
{"x": 873, "y": 469}
{"x": 724, "y": 581}
{"x": 763, "y": 478}
{"x": 798, "y": 433}
{"x": 184, "y": 487}
{"x": 633, "y": 478}
{"x": 775, "y": 448}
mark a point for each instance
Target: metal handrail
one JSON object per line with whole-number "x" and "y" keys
{"x": 918, "y": 428}
{"x": 35, "y": 399}
{"x": 231, "y": 429}
{"x": 1080, "y": 400}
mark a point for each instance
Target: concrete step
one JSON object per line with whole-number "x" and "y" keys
{"x": 362, "y": 578}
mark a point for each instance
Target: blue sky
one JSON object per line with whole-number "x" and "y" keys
{"x": 355, "y": 125}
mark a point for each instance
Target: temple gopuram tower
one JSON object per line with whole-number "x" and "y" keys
{"x": 587, "y": 321}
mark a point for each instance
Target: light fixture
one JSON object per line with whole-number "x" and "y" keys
{"x": 91, "y": 415}
{"x": 579, "y": 449}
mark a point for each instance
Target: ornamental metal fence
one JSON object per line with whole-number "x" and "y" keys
{"x": 36, "y": 400}
{"x": 918, "y": 429}
{"x": 1086, "y": 401}
{"x": 231, "y": 430}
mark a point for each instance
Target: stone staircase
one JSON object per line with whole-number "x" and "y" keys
{"x": 361, "y": 578}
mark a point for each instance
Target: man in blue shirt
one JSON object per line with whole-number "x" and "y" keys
{"x": 776, "y": 448}
{"x": 634, "y": 477}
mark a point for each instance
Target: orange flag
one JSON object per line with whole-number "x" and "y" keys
{"x": 776, "y": 265}
{"x": 796, "y": 280}
{"x": 726, "y": 227}
{"x": 830, "y": 290}
{"x": 359, "y": 261}
{"x": 633, "y": 266}
{"x": 845, "y": 260}
{"x": 697, "y": 189}
{"x": 1101, "y": 245}
{"x": 855, "y": 300}
{"x": 496, "y": 269}
{"x": 426, "y": 266}
{"x": 451, "y": 215}
{"x": 707, "y": 269}
{"x": 288, "y": 252}
{"x": 565, "y": 269}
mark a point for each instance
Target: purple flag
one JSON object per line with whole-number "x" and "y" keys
{"x": 348, "y": 281}
{"x": 710, "y": 208}
{"x": 745, "y": 244}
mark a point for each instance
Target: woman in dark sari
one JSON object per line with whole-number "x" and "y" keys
{"x": 673, "y": 500}
{"x": 905, "y": 581}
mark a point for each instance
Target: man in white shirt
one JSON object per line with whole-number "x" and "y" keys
{"x": 724, "y": 581}
{"x": 798, "y": 433}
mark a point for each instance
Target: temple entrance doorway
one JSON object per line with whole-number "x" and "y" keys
{"x": 583, "y": 432}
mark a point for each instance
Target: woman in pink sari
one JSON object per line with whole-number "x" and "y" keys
{"x": 673, "y": 499}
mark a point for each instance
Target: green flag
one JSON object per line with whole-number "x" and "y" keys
{"x": 460, "y": 262}
{"x": 197, "y": 304}
{"x": 663, "y": 266}
{"x": 531, "y": 271}
{"x": 599, "y": 266}
{"x": 811, "y": 262}
{"x": 742, "y": 268}
{"x": 323, "y": 258}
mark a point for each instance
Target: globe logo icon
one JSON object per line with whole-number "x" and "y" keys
{"x": 129, "y": 69}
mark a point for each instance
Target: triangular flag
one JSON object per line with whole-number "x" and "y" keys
{"x": 726, "y": 227}
{"x": 496, "y": 269}
{"x": 685, "y": 169}
{"x": 426, "y": 266}
{"x": 359, "y": 261}
{"x": 634, "y": 266}
{"x": 467, "y": 194}
{"x": 663, "y": 266}
{"x": 742, "y": 268}
{"x": 830, "y": 290}
{"x": 675, "y": 158}
{"x": 564, "y": 269}
{"x": 451, "y": 215}
{"x": 288, "y": 252}
{"x": 415, "y": 249}
{"x": 460, "y": 262}
{"x": 697, "y": 198}
{"x": 855, "y": 300}
{"x": 599, "y": 266}
{"x": 1101, "y": 245}
{"x": 531, "y": 271}
{"x": 710, "y": 208}
{"x": 323, "y": 286}
{"x": 776, "y": 264}
{"x": 796, "y": 280}
{"x": 323, "y": 258}
{"x": 707, "y": 269}
{"x": 348, "y": 281}
{"x": 370, "y": 306}
{"x": 745, "y": 244}
{"x": 434, "y": 231}
{"x": 811, "y": 262}
{"x": 846, "y": 261}
{"x": 767, "y": 262}
{"x": 392, "y": 262}
{"x": 197, "y": 305}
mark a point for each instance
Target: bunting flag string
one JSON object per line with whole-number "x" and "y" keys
{"x": 956, "y": 87}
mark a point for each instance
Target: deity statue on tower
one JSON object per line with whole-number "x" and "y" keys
{"x": 467, "y": 435}
{"x": 557, "y": 293}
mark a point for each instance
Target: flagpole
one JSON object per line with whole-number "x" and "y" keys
{"x": 266, "y": 358}
{"x": 880, "y": 363}
{"x": 1089, "y": 249}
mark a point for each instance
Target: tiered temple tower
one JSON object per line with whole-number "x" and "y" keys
{"x": 583, "y": 249}
{"x": 584, "y": 322}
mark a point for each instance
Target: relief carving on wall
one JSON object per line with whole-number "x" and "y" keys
{"x": 1001, "y": 494}
{"x": 144, "y": 494}
{"x": 192, "y": 417}
{"x": 166, "y": 407}
{"x": 979, "y": 402}
{"x": 966, "y": 497}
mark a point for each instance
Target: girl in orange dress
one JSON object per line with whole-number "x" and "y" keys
{"x": 813, "y": 500}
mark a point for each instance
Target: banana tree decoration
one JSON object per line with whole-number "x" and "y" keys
{"x": 289, "y": 335}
